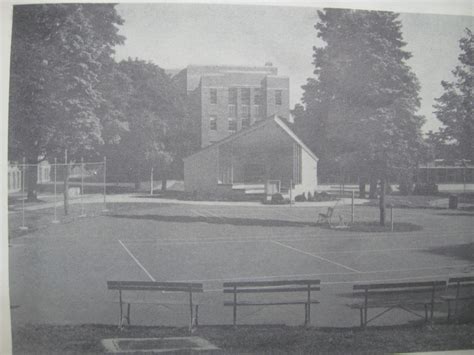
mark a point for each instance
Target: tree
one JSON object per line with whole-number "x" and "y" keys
{"x": 455, "y": 107}
{"x": 146, "y": 125}
{"x": 360, "y": 106}
{"x": 58, "y": 53}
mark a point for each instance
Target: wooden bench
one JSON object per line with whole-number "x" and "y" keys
{"x": 403, "y": 295}
{"x": 463, "y": 288}
{"x": 151, "y": 286}
{"x": 261, "y": 287}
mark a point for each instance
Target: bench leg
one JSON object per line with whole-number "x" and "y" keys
{"x": 128, "y": 313}
{"x": 234, "y": 321}
{"x": 121, "y": 310}
{"x": 307, "y": 316}
{"x": 361, "y": 317}
{"x": 449, "y": 310}
{"x": 196, "y": 317}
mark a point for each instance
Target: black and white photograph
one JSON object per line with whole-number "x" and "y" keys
{"x": 245, "y": 178}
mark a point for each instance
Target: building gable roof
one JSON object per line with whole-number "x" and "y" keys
{"x": 259, "y": 125}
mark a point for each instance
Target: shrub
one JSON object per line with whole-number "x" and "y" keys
{"x": 277, "y": 199}
{"x": 300, "y": 198}
{"x": 425, "y": 189}
{"x": 310, "y": 196}
{"x": 405, "y": 188}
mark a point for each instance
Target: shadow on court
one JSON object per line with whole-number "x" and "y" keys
{"x": 459, "y": 251}
{"x": 218, "y": 220}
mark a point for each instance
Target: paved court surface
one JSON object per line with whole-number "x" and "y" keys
{"x": 58, "y": 274}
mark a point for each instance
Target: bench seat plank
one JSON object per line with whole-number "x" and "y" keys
{"x": 255, "y": 288}
{"x": 270, "y": 283}
{"x": 269, "y": 290}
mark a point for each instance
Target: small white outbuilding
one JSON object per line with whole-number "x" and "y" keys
{"x": 265, "y": 157}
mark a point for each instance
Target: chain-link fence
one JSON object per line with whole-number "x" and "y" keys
{"x": 40, "y": 194}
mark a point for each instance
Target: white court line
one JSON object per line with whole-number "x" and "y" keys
{"x": 314, "y": 256}
{"x": 263, "y": 240}
{"x": 262, "y": 278}
{"x": 198, "y": 214}
{"x": 213, "y": 214}
{"x": 136, "y": 260}
{"x": 353, "y": 282}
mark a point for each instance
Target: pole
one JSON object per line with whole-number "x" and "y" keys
{"x": 151, "y": 182}
{"x": 352, "y": 208}
{"x": 105, "y": 185}
{"x": 23, "y": 178}
{"x": 83, "y": 214}
{"x": 391, "y": 218}
{"x": 55, "y": 220}
{"x": 66, "y": 184}
{"x": 291, "y": 192}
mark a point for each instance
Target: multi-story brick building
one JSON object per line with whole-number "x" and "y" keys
{"x": 225, "y": 99}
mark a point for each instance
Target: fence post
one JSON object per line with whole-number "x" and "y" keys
{"x": 55, "y": 220}
{"x": 105, "y": 185}
{"x": 291, "y": 192}
{"x": 83, "y": 214}
{"x": 352, "y": 208}
{"x": 391, "y": 218}
{"x": 151, "y": 182}
{"x": 23, "y": 178}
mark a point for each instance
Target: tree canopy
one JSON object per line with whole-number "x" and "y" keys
{"x": 360, "y": 106}
{"x": 58, "y": 54}
{"x": 146, "y": 120}
{"x": 455, "y": 107}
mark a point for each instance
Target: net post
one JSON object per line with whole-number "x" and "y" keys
{"x": 23, "y": 178}
{"x": 83, "y": 214}
{"x": 55, "y": 220}
{"x": 105, "y": 185}
{"x": 391, "y": 218}
{"x": 352, "y": 207}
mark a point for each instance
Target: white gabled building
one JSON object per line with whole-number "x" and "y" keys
{"x": 265, "y": 156}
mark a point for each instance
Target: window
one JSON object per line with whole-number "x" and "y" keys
{"x": 257, "y": 111}
{"x": 213, "y": 123}
{"x": 278, "y": 97}
{"x": 246, "y": 122}
{"x": 245, "y": 111}
{"x": 297, "y": 164}
{"x": 232, "y": 124}
{"x": 245, "y": 96}
{"x": 213, "y": 96}
{"x": 232, "y": 96}
{"x": 257, "y": 96}
{"x": 232, "y": 111}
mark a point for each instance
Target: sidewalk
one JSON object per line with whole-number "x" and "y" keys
{"x": 141, "y": 198}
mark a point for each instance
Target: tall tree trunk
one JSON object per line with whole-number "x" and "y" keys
{"x": 382, "y": 201}
{"x": 362, "y": 182}
{"x": 164, "y": 180}
{"x": 373, "y": 187}
{"x": 32, "y": 180}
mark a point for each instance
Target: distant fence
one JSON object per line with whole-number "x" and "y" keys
{"x": 85, "y": 182}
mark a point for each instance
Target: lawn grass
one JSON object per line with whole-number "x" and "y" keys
{"x": 259, "y": 339}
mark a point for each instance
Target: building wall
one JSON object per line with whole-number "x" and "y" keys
{"x": 309, "y": 176}
{"x": 198, "y": 81}
{"x": 271, "y": 85}
{"x": 200, "y": 171}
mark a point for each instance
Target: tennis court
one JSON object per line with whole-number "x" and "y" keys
{"x": 59, "y": 274}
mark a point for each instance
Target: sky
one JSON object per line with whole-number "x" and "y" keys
{"x": 176, "y": 35}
